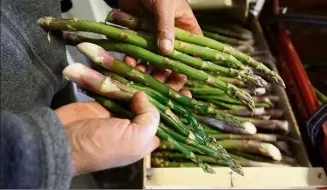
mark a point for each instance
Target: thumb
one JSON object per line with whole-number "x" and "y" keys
{"x": 147, "y": 116}
{"x": 165, "y": 20}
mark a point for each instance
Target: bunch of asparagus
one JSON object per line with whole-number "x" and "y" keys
{"x": 112, "y": 82}
{"x": 263, "y": 144}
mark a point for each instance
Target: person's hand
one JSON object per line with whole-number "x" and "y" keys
{"x": 99, "y": 141}
{"x": 167, "y": 14}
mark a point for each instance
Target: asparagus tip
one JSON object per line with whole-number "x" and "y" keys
{"x": 207, "y": 168}
{"x": 249, "y": 128}
{"x": 279, "y": 80}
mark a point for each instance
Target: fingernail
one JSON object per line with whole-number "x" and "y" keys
{"x": 166, "y": 45}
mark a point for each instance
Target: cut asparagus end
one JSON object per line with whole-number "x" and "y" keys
{"x": 272, "y": 151}
{"x": 259, "y": 91}
{"x": 73, "y": 72}
{"x": 93, "y": 52}
{"x": 259, "y": 111}
{"x": 249, "y": 128}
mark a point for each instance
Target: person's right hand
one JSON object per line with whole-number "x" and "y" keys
{"x": 99, "y": 141}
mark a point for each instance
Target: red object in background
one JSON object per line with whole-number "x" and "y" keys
{"x": 294, "y": 74}
{"x": 310, "y": 101}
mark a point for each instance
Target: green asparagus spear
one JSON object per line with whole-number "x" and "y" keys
{"x": 220, "y": 154}
{"x": 186, "y": 36}
{"x": 160, "y": 156}
{"x": 135, "y": 51}
{"x": 160, "y": 132}
{"x": 161, "y": 163}
{"x": 257, "y": 147}
{"x": 227, "y": 40}
{"x": 100, "y": 57}
{"x": 227, "y": 31}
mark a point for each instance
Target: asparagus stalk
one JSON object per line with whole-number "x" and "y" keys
{"x": 161, "y": 163}
{"x": 271, "y": 138}
{"x": 164, "y": 62}
{"x": 265, "y": 149}
{"x": 263, "y": 99}
{"x": 249, "y": 128}
{"x": 211, "y": 55}
{"x": 100, "y": 57}
{"x": 321, "y": 96}
{"x": 218, "y": 153}
{"x": 160, "y": 156}
{"x": 245, "y": 49}
{"x": 242, "y": 112}
{"x": 202, "y": 41}
{"x": 263, "y": 117}
{"x": 243, "y": 34}
{"x": 280, "y": 125}
{"x": 225, "y": 99}
{"x": 186, "y": 36}
{"x": 227, "y": 40}
{"x": 160, "y": 133}
{"x": 197, "y": 128}
{"x": 274, "y": 113}
{"x": 163, "y": 135}
{"x": 105, "y": 86}
{"x": 233, "y": 81}
{"x": 257, "y": 111}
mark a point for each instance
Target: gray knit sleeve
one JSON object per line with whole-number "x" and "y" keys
{"x": 35, "y": 152}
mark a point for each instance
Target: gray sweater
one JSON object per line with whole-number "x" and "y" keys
{"x": 35, "y": 151}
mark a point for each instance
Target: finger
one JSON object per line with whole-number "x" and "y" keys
{"x": 153, "y": 145}
{"x": 142, "y": 67}
{"x": 80, "y": 111}
{"x": 131, "y": 61}
{"x": 186, "y": 93}
{"x": 186, "y": 20}
{"x": 177, "y": 81}
{"x": 147, "y": 117}
{"x": 161, "y": 74}
{"x": 165, "y": 19}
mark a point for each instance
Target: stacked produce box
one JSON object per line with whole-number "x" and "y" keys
{"x": 234, "y": 118}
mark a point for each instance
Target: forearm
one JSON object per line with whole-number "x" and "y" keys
{"x": 35, "y": 152}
